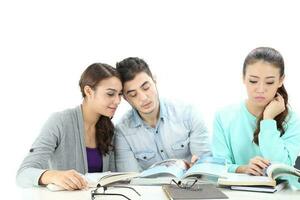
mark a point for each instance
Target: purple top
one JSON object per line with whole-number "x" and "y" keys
{"x": 94, "y": 160}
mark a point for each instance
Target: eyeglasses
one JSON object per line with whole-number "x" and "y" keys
{"x": 190, "y": 185}
{"x": 95, "y": 192}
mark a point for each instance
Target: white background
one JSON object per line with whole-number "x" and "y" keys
{"x": 195, "y": 48}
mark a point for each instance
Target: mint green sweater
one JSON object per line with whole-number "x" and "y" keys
{"x": 233, "y": 135}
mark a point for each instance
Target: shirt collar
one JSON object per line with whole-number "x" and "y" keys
{"x": 162, "y": 109}
{"x": 138, "y": 121}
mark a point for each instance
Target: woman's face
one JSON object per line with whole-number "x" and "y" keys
{"x": 262, "y": 81}
{"x": 105, "y": 99}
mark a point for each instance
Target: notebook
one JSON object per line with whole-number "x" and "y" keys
{"x": 199, "y": 191}
{"x": 280, "y": 185}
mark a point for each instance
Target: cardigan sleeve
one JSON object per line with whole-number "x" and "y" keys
{"x": 36, "y": 161}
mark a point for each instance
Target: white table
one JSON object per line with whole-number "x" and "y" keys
{"x": 150, "y": 193}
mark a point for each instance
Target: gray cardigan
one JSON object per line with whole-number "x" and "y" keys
{"x": 60, "y": 146}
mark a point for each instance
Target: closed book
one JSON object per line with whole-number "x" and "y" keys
{"x": 198, "y": 191}
{"x": 268, "y": 189}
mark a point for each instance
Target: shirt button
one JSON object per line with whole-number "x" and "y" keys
{"x": 161, "y": 150}
{"x": 145, "y": 157}
{"x": 156, "y": 131}
{"x": 182, "y": 145}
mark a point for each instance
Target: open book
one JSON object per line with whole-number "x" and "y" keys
{"x": 206, "y": 168}
{"x": 104, "y": 178}
{"x": 273, "y": 172}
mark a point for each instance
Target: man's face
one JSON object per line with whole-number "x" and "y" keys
{"x": 141, "y": 93}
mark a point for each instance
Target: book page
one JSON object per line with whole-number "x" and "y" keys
{"x": 276, "y": 170}
{"x": 245, "y": 179}
{"x": 208, "y": 166}
{"x": 166, "y": 180}
{"x": 170, "y": 167}
{"x": 269, "y": 189}
{"x": 106, "y": 178}
{"x": 102, "y": 178}
{"x": 93, "y": 178}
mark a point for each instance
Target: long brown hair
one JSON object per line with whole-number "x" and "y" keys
{"x": 273, "y": 57}
{"x": 91, "y": 77}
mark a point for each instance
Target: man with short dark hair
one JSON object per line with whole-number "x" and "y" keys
{"x": 155, "y": 129}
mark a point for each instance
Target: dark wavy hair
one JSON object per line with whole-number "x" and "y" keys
{"x": 130, "y": 67}
{"x": 91, "y": 77}
{"x": 272, "y": 56}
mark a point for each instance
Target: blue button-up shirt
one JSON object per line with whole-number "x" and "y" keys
{"x": 179, "y": 133}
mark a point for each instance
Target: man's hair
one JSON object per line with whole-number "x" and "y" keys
{"x": 130, "y": 67}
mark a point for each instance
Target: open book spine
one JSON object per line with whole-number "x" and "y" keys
{"x": 277, "y": 170}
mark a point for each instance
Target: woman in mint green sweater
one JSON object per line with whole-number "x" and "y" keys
{"x": 262, "y": 129}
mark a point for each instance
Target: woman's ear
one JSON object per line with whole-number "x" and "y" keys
{"x": 88, "y": 91}
{"x": 281, "y": 80}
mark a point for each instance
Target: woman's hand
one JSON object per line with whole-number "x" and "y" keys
{"x": 70, "y": 179}
{"x": 255, "y": 167}
{"x": 274, "y": 108}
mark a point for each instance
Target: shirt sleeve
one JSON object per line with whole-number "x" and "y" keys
{"x": 221, "y": 145}
{"x": 36, "y": 161}
{"x": 124, "y": 157}
{"x": 284, "y": 149}
{"x": 199, "y": 137}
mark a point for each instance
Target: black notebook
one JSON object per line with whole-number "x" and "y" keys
{"x": 200, "y": 191}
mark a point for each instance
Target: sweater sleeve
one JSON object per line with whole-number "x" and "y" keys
{"x": 284, "y": 149}
{"x": 220, "y": 144}
{"x": 36, "y": 161}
